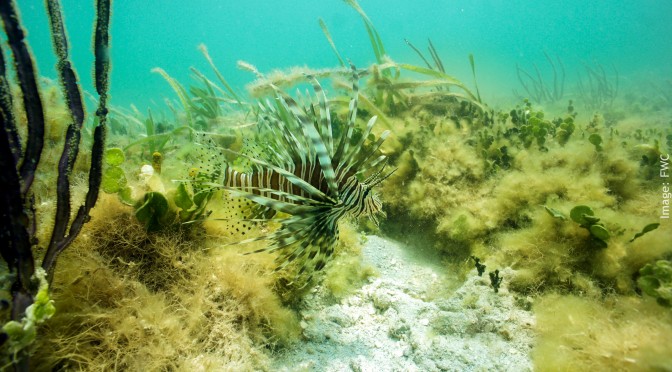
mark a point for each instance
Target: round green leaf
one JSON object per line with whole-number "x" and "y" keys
{"x": 152, "y": 210}
{"x": 577, "y": 213}
{"x": 125, "y": 195}
{"x": 595, "y": 139}
{"x": 114, "y": 180}
{"x": 591, "y": 220}
{"x": 599, "y": 232}
{"x": 114, "y": 156}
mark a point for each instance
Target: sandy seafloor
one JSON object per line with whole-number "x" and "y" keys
{"x": 396, "y": 322}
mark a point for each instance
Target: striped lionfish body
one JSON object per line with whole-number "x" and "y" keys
{"x": 311, "y": 175}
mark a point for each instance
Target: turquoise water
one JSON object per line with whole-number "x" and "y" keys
{"x": 631, "y": 35}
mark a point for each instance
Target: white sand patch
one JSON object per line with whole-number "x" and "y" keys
{"x": 391, "y": 324}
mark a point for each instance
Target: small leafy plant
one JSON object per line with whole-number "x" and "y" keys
{"x": 155, "y": 212}
{"x": 585, "y": 217}
{"x": 479, "y": 266}
{"x": 656, "y": 281}
{"x": 565, "y": 128}
{"x": 495, "y": 280}
{"x": 530, "y": 126}
{"x": 114, "y": 178}
{"x": 648, "y": 228}
{"x": 21, "y": 334}
{"x": 192, "y": 204}
{"x": 596, "y": 140}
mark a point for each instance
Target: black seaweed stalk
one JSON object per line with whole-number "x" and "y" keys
{"x": 535, "y": 86}
{"x": 59, "y": 239}
{"x": 14, "y": 233}
{"x": 18, "y": 173}
{"x": 435, "y": 56}
{"x": 31, "y": 98}
{"x": 541, "y": 85}
{"x": 558, "y": 85}
{"x": 101, "y": 74}
{"x": 18, "y": 166}
{"x": 600, "y": 92}
{"x": 6, "y": 104}
{"x": 419, "y": 53}
{"x": 531, "y": 90}
{"x": 73, "y": 98}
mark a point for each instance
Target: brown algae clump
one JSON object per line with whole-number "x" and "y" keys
{"x": 138, "y": 300}
{"x": 620, "y": 333}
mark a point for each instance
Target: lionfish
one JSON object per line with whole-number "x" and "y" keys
{"x": 313, "y": 171}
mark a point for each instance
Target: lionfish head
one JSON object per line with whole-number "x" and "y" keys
{"x": 369, "y": 204}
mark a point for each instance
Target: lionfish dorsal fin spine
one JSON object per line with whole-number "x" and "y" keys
{"x": 372, "y": 165}
{"x": 344, "y": 143}
{"x": 322, "y": 157}
{"x": 317, "y": 147}
{"x": 325, "y": 115}
{"x": 282, "y": 195}
{"x": 350, "y": 162}
{"x": 372, "y": 152}
{"x": 284, "y": 113}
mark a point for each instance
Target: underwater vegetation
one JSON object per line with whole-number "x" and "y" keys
{"x": 561, "y": 205}
{"x": 22, "y": 144}
{"x": 656, "y": 280}
{"x": 599, "y": 89}
{"x": 571, "y": 203}
{"x": 536, "y": 86}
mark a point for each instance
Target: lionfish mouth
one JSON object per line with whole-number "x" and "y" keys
{"x": 308, "y": 173}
